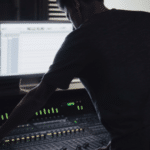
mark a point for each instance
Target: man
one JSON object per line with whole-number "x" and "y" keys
{"x": 80, "y": 13}
{"x": 110, "y": 53}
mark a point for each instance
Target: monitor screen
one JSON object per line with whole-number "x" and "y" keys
{"x": 30, "y": 48}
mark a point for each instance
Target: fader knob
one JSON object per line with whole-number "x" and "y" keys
{"x": 12, "y": 141}
{"x": 17, "y": 140}
{"x": 7, "y": 143}
{"x": 68, "y": 132}
{"x": 22, "y": 139}
{"x": 27, "y": 139}
{"x": 42, "y": 136}
{"x": 64, "y": 133}
{"x": 55, "y": 134}
{"x": 32, "y": 138}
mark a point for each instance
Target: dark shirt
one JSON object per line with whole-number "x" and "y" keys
{"x": 110, "y": 54}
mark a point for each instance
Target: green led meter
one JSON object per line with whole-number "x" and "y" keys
{"x": 66, "y": 104}
{"x": 70, "y": 104}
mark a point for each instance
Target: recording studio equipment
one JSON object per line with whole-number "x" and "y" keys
{"x": 67, "y": 122}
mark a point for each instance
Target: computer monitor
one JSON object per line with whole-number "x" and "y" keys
{"x": 28, "y": 48}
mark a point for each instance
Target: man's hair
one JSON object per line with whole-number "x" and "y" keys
{"x": 69, "y": 3}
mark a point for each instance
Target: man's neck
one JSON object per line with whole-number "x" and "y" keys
{"x": 96, "y": 13}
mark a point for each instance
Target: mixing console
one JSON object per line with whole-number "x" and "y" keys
{"x": 68, "y": 121}
{"x": 76, "y": 132}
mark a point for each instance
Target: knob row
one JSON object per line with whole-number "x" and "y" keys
{"x": 41, "y": 136}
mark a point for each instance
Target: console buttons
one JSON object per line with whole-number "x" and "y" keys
{"x": 37, "y": 137}
{"x": 68, "y": 132}
{"x": 59, "y": 134}
{"x": 17, "y": 140}
{"x": 77, "y": 131}
{"x": 55, "y": 134}
{"x": 13, "y": 141}
{"x": 49, "y": 135}
{"x": 27, "y": 139}
{"x": 22, "y": 140}
{"x": 64, "y": 133}
{"x": 81, "y": 129}
{"x": 42, "y": 136}
{"x": 6, "y": 142}
{"x": 32, "y": 138}
{"x": 73, "y": 131}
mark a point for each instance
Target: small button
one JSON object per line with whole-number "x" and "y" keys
{"x": 32, "y": 138}
{"x": 64, "y": 133}
{"x": 22, "y": 140}
{"x": 55, "y": 134}
{"x": 73, "y": 131}
{"x": 77, "y": 131}
{"x": 68, "y": 132}
{"x": 59, "y": 134}
{"x": 13, "y": 141}
{"x": 49, "y": 135}
{"x": 18, "y": 140}
{"x": 81, "y": 129}
{"x": 7, "y": 142}
{"x": 37, "y": 137}
{"x": 42, "y": 136}
{"x": 27, "y": 139}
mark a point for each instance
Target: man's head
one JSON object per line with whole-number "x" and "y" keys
{"x": 79, "y": 11}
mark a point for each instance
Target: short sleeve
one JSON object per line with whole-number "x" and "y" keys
{"x": 69, "y": 61}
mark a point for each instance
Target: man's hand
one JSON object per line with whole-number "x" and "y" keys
{"x": 26, "y": 108}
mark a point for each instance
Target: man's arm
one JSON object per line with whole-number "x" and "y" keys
{"x": 27, "y": 107}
